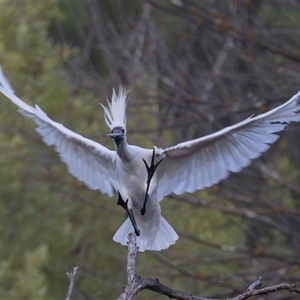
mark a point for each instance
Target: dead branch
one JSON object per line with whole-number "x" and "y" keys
{"x": 136, "y": 284}
{"x": 71, "y": 276}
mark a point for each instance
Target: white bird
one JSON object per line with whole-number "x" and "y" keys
{"x": 186, "y": 167}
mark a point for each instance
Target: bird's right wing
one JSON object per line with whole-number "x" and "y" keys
{"x": 88, "y": 161}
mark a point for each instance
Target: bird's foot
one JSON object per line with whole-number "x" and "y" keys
{"x": 121, "y": 202}
{"x": 150, "y": 170}
{"x": 129, "y": 213}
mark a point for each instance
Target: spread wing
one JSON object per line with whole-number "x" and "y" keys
{"x": 205, "y": 161}
{"x": 88, "y": 161}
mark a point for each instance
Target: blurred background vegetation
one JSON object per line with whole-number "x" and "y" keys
{"x": 193, "y": 67}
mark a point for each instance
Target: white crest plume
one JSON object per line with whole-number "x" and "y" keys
{"x": 115, "y": 112}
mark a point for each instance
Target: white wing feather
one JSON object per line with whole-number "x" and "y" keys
{"x": 88, "y": 161}
{"x": 205, "y": 161}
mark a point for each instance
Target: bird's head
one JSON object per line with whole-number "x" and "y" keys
{"x": 118, "y": 134}
{"x": 115, "y": 116}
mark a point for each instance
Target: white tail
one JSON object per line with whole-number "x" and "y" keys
{"x": 165, "y": 236}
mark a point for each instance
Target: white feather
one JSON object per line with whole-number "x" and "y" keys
{"x": 205, "y": 161}
{"x": 115, "y": 112}
{"x": 83, "y": 157}
{"x": 165, "y": 236}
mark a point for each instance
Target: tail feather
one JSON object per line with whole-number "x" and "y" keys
{"x": 121, "y": 234}
{"x": 169, "y": 234}
{"x": 165, "y": 236}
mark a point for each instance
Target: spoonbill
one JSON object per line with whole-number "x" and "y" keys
{"x": 142, "y": 177}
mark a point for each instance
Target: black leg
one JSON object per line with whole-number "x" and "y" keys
{"x": 150, "y": 170}
{"x": 129, "y": 213}
{"x": 132, "y": 219}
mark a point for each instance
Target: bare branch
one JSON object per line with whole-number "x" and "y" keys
{"x": 255, "y": 284}
{"x": 136, "y": 284}
{"x": 131, "y": 258}
{"x": 267, "y": 290}
{"x": 71, "y": 276}
{"x": 219, "y": 23}
{"x": 129, "y": 290}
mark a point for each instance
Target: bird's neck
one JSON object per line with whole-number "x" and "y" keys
{"x": 123, "y": 151}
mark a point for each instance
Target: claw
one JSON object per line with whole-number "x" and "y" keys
{"x": 150, "y": 170}
{"x": 121, "y": 202}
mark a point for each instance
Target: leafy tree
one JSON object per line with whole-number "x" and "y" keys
{"x": 193, "y": 67}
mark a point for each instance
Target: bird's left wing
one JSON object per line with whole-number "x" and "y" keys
{"x": 205, "y": 161}
{"x": 88, "y": 161}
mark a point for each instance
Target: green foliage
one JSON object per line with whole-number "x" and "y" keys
{"x": 50, "y": 222}
{"x": 25, "y": 279}
{"x": 39, "y": 218}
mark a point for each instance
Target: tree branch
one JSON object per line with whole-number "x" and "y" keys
{"x": 267, "y": 290}
{"x": 71, "y": 276}
{"x": 136, "y": 284}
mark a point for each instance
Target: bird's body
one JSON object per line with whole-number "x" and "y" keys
{"x": 155, "y": 232}
{"x": 186, "y": 167}
{"x": 132, "y": 177}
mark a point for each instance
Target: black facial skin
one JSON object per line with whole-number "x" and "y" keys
{"x": 117, "y": 134}
{"x": 118, "y": 140}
